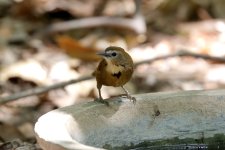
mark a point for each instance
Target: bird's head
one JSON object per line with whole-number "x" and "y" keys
{"x": 116, "y": 55}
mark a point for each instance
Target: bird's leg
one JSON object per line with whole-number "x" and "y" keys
{"x": 131, "y": 98}
{"x": 100, "y": 99}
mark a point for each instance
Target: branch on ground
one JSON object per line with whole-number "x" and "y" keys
{"x": 183, "y": 53}
{"x": 41, "y": 90}
{"x": 136, "y": 24}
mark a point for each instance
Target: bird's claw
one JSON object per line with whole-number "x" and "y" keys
{"x": 131, "y": 98}
{"x": 102, "y": 101}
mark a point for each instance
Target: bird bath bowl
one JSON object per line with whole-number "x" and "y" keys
{"x": 188, "y": 117}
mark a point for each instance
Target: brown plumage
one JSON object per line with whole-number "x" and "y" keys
{"x": 115, "y": 69}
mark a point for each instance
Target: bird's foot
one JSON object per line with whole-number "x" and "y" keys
{"x": 102, "y": 101}
{"x": 131, "y": 98}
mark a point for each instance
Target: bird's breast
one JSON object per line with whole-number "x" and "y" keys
{"x": 114, "y": 69}
{"x": 117, "y": 76}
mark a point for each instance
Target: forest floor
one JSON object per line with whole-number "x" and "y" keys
{"x": 172, "y": 50}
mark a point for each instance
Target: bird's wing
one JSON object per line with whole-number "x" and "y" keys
{"x": 101, "y": 65}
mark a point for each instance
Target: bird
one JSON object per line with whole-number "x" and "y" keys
{"x": 115, "y": 69}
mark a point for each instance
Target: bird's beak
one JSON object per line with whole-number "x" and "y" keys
{"x": 103, "y": 53}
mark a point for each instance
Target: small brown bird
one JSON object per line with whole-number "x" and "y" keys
{"x": 115, "y": 69}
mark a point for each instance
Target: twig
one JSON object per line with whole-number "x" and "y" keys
{"x": 136, "y": 24}
{"x": 182, "y": 53}
{"x": 40, "y": 90}
{"x": 208, "y": 57}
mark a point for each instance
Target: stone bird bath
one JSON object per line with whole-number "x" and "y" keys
{"x": 169, "y": 118}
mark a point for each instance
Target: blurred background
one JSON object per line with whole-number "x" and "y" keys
{"x": 44, "y": 42}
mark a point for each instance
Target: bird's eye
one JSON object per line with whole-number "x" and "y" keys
{"x": 114, "y": 54}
